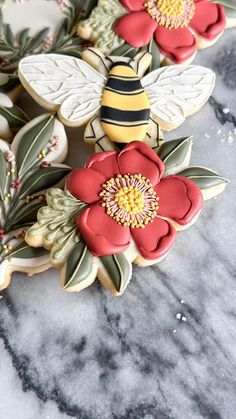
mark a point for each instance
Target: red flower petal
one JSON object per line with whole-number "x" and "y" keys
{"x": 105, "y": 163}
{"x": 155, "y": 240}
{"x": 135, "y": 28}
{"x": 133, "y": 5}
{"x": 180, "y": 199}
{"x": 138, "y": 157}
{"x": 102, "y": 234}
{"x": 176, "y": 44}
{"x": 85, "y": 184}
{"x": 209, "y": 19}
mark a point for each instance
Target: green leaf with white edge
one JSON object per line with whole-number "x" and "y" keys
{"x": 15, "y": 117}
{"x": 175, "y": 154}
{"x": 119, "y": 270}
{"x": 231, "y": 4}
{"x": 32, "y": 142}
{"x": 154, "y": 51}
{"x": 27, "y": 214}
{"x": 42, "y": 178}
{"x": 9, "y": 35}
{"x": 23, "y": 37}
{"x": 3, "y": 170}
{"x": 125, "y": 50}
{"x": 38, "y": 39}
{"x": 203, "y": 177}
{"x": 230, "y": 13}
{"x": 24, "y": 251}
{"x": 79, "y": 265}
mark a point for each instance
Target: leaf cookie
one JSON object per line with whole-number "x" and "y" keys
{"x": 28, "y": 167}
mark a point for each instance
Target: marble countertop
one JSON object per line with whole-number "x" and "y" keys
{"x": 91, "y": 355}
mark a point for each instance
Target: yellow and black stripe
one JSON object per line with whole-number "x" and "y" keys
{"x": 125, "y": 108}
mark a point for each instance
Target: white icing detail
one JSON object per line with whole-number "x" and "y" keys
{"x": 63, "y": 83}
{"x": 177, "y": 91}
{"x": 4, "y": 128}
{"x": 5, "y": 101}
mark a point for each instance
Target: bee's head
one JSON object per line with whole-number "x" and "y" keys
{"x": 121, "y": 68}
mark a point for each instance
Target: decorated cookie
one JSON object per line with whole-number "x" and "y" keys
{"x": 172, "y": 30}
{"x": 12, "y": 118}
{"x": 32, "y": 27}
{"x": 117, "y": 98}
{"x": 28, "y": 166}
{"x": 122, "y": 207}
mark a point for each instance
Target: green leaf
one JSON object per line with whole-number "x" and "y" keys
{"x": 42, "y": 179}
{"x": 32, "y": 142}
{"x": 3, "y": 169}
{"x": 227, "y": 3}
{"x": 38, "y": 39}
{"x": 118, "y": 269}
{"x": 125, "y": 50}
{"x": 154, "y": 51}
{"x": 9, "y": 35}
{"x": 24, "y": 251}
{"x": 175, "y": 153}
{"x": 231, "y": 13}
{"x": 27, "y": 214}
{"x": 79, "y": 265}
{"x": 15, "y": 117}
{"x": 203, "y": 177}
{"x": 23, "y": 37}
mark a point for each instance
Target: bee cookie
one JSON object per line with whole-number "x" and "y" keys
{"x": 114, "y": 95}
{"x": 172, "y": 30}
{"x": 122, "y": 207}
{"x": 12, "y": 118}
{"x": 30, "y": 165}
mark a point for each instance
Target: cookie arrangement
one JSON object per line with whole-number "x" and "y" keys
{"x": 136, "y": 190}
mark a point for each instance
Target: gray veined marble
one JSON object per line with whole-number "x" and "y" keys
{"x": 167, "y": 348}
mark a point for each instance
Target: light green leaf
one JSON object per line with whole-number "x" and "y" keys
{"x": 175, "y": 153}
{"x": 227, "y": 3}
{"x": 79, "y": 265}
{"x": 3, "y": 169}
{"x": 119, "y": 270}
{"x": 38, "y": 39}
{"x": 24, "y": 251}
{"x": 42, "y": 179}
{"x": 203, "y": 177}
{"x": 32, "y": 142}
{"x": 15, "y": 117}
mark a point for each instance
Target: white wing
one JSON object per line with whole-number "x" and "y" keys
{"x": 177, "y": 91}
{"x": 64, "y": 84}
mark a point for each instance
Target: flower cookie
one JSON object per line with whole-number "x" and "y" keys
{"x": 122, "y": 207}
{"x": 30, "y": 165}
{"x": 176, "y": 28}
{"x": 115, "y": 96}
{"x": 12, "y": 118}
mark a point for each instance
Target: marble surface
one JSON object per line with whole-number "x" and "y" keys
{"x": 91, "y": 355}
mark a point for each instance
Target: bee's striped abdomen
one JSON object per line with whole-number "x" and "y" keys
{"x": 125, "y": 108}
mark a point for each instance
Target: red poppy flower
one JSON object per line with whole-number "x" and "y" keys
{"x": 128, "y": 196}
{"x": 172, "y": 24}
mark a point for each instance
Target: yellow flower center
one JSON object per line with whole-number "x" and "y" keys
{"x": 130, "y": 200}
{"x": 172, "y": 14}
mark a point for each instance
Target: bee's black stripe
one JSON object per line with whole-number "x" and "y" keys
{"x": 124, "y": 116}
{"x": 114, "y": 76}
{"x": 139, "y": 124}
{"x": 124, "y": 85}
{"x": 139, "y": 92}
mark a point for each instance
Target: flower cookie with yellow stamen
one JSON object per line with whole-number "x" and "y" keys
{"x": 122, "y": 207}
{"x": 177, "y": 28}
